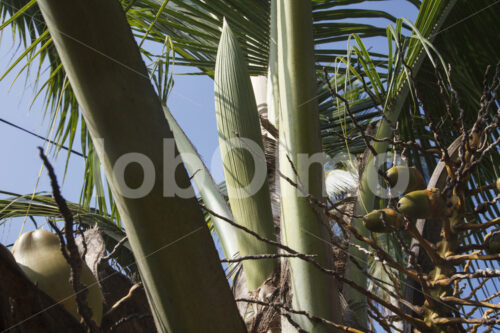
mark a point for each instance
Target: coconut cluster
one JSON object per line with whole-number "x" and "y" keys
{"x": 417, "y": 202}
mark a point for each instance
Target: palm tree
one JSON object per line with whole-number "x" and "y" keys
{"x": 285, "y": 41}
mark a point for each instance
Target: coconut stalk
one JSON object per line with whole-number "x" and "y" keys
{"x": 366, "y": 198}
{"x": 304, "y": 227}
{"x": 242, "y": 151}
{"x": 171, "y": 243}
{"x": 437, "y": 180}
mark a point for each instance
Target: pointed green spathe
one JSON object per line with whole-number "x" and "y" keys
{"x": 302, "y": 224}
{"x": 243, "y": 156}
{"x": 172, "y": 245}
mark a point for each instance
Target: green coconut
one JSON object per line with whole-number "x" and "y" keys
{"x": 422, "y": 204}
{"x": 38, "y": 254}
{"x": 492, "y": 243}
{"x": 415, "y": 182}
{"x": 498, "y": 184}
{"x": 374, "y": 221}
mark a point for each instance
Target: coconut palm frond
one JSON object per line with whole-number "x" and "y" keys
{"x": 467, "y": 70}
{"x": 40, "y": 205}
{"x": 195, "y": 28}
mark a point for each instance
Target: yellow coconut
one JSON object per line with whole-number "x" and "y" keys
{"x": 374, "y": 221}
{"x": 415, "y": 181}
{"x": 498, "y": 184}
{"x": 39, "y": 255}
{"x": 422, "y": 204}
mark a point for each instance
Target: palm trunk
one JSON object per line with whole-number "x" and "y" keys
{"x": 172, "y": 245}
{"x": 303, "y": 226}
